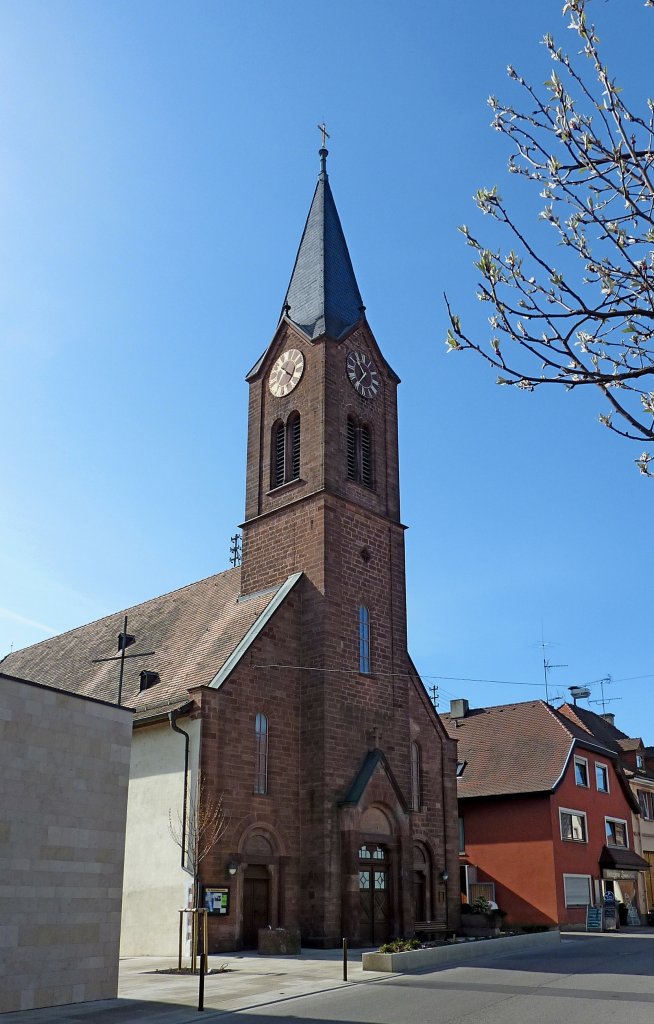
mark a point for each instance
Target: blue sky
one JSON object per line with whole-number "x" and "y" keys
{"x": 158, "y": 161}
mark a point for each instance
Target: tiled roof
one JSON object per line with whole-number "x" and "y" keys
{"x": 594, "y": 724}
{"x": 512, "y": 748}
{"x": 192, "y": 632}
{"x": 323, "y": 296}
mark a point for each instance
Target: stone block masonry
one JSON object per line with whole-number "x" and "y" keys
{"x": 64, "y": 769}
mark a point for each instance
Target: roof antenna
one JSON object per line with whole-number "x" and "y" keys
{"x": 605, "y": 700}
{"x": 547, "y": 664}
{"x": 577, "y": 692}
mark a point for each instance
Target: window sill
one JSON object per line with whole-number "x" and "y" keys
{"x": 571, "y": 840}
{"x": 287, "y": 485}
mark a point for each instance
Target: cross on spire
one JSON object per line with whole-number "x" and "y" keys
{"x": 325, "y": 134}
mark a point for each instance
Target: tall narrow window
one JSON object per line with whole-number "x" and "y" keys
{"x": 278, "y": 455}
{"x": 261, "y": 754}
{"x": 293, "y": 446}
{"x": 285, "y": 451}
{"x": 359, "y": 452}
{"x": 415, "y": 777}
{"x": 364, "y": 640}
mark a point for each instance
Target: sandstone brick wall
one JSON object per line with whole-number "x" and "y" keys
{"x": 64, "y": 767}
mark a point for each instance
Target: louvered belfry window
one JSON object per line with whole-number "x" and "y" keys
{"x": 278, "y": 454}
{"x": 359, "y": 452}
{"x": 285, "y": 451}
{"x": 293, "y": 435}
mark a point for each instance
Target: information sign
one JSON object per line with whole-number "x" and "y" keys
{"x": 633, "y": 917}
{"x": 593, "y": 919}
{"x": 216, "y": 901}
{"x": 610, "y": 918}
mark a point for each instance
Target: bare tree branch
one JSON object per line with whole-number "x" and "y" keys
{"x": 589, "y": 320}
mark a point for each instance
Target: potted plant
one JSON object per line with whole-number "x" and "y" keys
{"x": 480, "y": 919}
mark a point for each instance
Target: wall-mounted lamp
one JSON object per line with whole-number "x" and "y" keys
{"x": 232, "y": 868}
{"x": 445, "y": 875}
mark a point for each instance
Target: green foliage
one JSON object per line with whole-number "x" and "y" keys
{"x": 400, "y": 946}
{"x": 480, "y": 906}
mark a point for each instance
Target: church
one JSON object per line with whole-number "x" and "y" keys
{"x": 282, "y": 690}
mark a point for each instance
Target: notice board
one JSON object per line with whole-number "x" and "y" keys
{"x": 593, "y": 919}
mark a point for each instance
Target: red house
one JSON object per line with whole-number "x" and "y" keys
{"x": 545, "y": 813}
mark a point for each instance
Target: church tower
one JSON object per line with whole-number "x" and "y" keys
{"x": 322, "y": 499}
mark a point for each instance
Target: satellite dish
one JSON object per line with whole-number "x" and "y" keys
{"x": 576, "y": 692}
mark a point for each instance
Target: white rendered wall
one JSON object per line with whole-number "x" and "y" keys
{"x": 63, "y": 793}
{"x": 155, "y": 884}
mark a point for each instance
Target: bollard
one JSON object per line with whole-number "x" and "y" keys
{"x": 203, "y": 969}
{"x": 344, "y": 959}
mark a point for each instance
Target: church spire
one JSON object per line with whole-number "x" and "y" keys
{"x": 323, "y": 296}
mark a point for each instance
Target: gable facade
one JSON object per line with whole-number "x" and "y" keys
{"x": 283, "y": 689}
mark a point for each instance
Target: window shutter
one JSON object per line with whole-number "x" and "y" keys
{"x": 366, "y": 455}
{"x": 351, "y": 449}
{"x": 577, "y": 890}
{"x": 294, "y": 431}
{"x": 278, "y": 452}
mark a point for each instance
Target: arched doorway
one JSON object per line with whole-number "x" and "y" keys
{"x": 258, "y": 857}
{"x": 256, "y": 903}
{"x": 374, "y": 894}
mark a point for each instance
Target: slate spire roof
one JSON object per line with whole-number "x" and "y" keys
{"x": 323, "y": 296}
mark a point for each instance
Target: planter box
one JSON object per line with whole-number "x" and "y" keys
{"x": 279, "y": 942}
{"x": 480, "y": 925}
{"x": 414, "y": 959}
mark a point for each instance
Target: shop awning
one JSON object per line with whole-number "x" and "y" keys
{"x": 622, "y": 860}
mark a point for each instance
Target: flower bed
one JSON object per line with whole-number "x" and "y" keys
{"x": 463, "y": 949}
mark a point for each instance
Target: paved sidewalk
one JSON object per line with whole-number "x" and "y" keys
{"x": 249, "y": 980}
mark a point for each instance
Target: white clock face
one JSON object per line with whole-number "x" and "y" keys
{"x": 286, "y": 373}
{"x": 362, "y": 374}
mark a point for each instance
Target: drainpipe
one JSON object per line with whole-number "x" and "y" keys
{"x": 172, "y": 717}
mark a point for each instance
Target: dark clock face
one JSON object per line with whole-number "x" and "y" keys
{"x": 362, "y": 374}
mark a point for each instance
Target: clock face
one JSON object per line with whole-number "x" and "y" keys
{"x": 362, "y": 374}
{"x": 286, "y": 373}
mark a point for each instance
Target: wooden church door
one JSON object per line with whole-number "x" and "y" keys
{"x": 374, "y": 896}
{"x": 256, "y": 904}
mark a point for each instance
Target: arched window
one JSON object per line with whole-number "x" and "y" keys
{"x": 261, "y": 754}
{"x": 364, "y": 640}
{"x": 285, "y": 451}
{"x": 415, "y": 777}
{"x": 359, "y": 452}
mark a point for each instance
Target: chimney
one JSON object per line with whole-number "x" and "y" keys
{"x": 459, "y": 708}
{"x": 609, "y": 717}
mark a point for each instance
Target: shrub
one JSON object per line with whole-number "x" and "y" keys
{"x": 400, "y": 946}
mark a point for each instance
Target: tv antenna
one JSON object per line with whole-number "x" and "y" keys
{"x": 606, "y": 681}
{"x": 433, "y": 693}
{"x": 547, "y": 664}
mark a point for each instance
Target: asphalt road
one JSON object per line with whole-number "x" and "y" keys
{"x": 594, "y": 979}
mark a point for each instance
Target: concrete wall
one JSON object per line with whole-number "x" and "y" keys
{"x": 155, "y": 886}
{"x": 63, "y": 792}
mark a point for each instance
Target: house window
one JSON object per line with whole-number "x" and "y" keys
{"x": 601, "y": 778}
{"x": 285, "y": 451}
{"x": 616, "y": 832}
{"x": 577, "y": 890}
{"x": 646, "y": 801}
{"x": 581, "y": 771}
{"x": 462, "y": 836}
{"x": 460, "y": 768}
{"x": 261, "y": 754}
{"x": 573, "y": 826}
{"x": 415, "y": 777}
{"x": 640, "y": 762}
{"x": 359, "y": 452}
{"x": 364, "y": 640}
